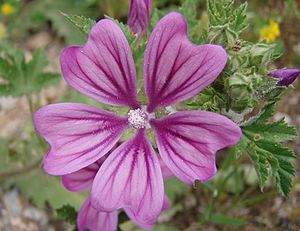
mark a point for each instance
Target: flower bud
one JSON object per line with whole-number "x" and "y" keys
{"x": 286, "y": 76}
{"x": 139, "y": 16}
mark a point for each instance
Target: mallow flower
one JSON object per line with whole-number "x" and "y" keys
{"x": 90, "y": 218}
{"x": 286, "y": 76}
{"x": 174, "y": 70}
{"x": 139, "y": 16}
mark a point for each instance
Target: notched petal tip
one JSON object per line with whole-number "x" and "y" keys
{"x": 131, "y": 178}
{"x": 197, "y": 134}
{"x": 78, "y": 134}
{"x": 103, "y": 68}
{"x": 89, "y": 218}
{"x": 175, "y": 69}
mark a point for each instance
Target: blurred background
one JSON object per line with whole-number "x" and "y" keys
{"x": 32, "y": 34}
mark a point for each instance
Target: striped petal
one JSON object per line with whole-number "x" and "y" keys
{"x": 139, "y": 16}
{"x": 82, "y": 180}
{"x": 131, "y": 178}
{"x": 136, "y": 220}
{"x": 188, "y": 141}
{"x": 93, "y": 220}
{"x": 78, "y": 134}
{"x": 103, "y": 68}
{"x": 174, "y": 68}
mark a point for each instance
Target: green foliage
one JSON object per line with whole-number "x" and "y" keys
{"x": 226, "y": 23}
{"x": 20, "y": 77}
{"x": 37, "y": 15}
{"x": 244, "y": 81}
{"x": 175, "y": 189}
{"x": 221, "y": 219}
{"x": 67, "y": 213}
{"x": 262, "y": 141}
{"x": 84, "y": 24}
{"x": 189, "y": 10}
{"x": 42, "y": 188}
{"x": 209, "y": 99}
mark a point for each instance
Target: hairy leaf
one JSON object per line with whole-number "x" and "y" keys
{"x": 262, "y": 141}
{"x": 84, "y": 24}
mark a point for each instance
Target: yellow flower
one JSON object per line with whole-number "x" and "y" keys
{"x": 271, "y": 32}
{"x": 3, "y": 31}
{"x": 7, "y": 9}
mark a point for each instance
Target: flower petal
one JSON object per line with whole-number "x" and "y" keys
{"x": 131, "y": 215}
{"x": 139, "y": 16}
{"x": 131, "y": 177}
{"x": 174, "y": 68}
{"x": 188, "y": 141}
{"x": 90, "y": 218}
{"x": 103, "y": 68}
{"x": 82, "y": 180}
{"x": 78, "y": 134}
{"x": 166, "y": 172}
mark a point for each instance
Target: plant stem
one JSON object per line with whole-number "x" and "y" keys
{"x": 21, "y": 171}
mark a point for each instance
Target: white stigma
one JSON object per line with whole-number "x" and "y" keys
{"x": 138, "y": 118}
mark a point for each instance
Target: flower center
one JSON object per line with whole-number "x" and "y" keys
{"x": 138, "y": 118}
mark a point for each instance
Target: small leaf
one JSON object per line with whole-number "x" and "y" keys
{"x": 84, "y": 24}
{"x": 67, "y": 213}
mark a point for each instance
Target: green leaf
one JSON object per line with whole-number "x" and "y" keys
{"x": 263, "y": 142}
{"x": 221, "y": 219}
{"x": 175, "y": 189}
{"x": 21, "y": 78}
{"x": 67, "y": 213}
{"x": 84, "y": 24}
{"x": 42, "y": 189}
{"x": 225, "y": 21}
{"x": 189, "y": 10}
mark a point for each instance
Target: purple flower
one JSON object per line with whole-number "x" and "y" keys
{"x": 139, "y": 16}
{"x": 174, "y": 70}
{"x": 89, "y": 217}
{"x": 286, "y": 75}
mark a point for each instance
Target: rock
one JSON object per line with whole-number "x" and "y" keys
{"x": 13, "y": 203}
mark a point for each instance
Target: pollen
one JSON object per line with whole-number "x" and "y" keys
{"x": 7, "y": 9}
{"x": 138, "y": 118}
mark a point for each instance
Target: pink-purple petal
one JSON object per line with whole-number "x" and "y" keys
{"x": 82, "y": 180}
{"x": 103, "y": 68}
{"x": 78, "y": 134}
{"x": 188, "y": 141}
{"x": 174, "y": 68}
{"x": 93, "y": 220}
{"x": 131, "y": 178}
{"x": 139, "y": 16}
{"x": 138, "y": 222}
{"x": 166, "y": 172}
{"x": 286, "y": 76}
